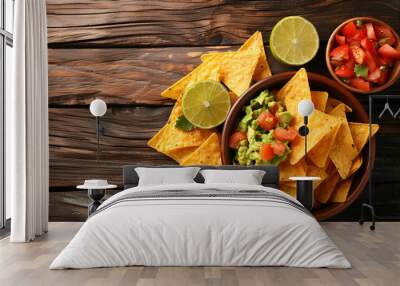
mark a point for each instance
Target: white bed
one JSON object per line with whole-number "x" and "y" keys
{"x": 247, "y": 225}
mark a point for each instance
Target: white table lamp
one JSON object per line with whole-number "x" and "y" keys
{"x": 98, "y": 108}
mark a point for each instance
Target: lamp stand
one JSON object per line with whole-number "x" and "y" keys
{"x": 303, "y": 130}
{"x": 99, "y": 131}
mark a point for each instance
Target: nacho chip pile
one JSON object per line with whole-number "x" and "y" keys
{"x": 237, "y": 70}
{"x": 334, "y": 144}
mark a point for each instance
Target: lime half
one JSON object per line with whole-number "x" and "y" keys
{"x": 206, "y": 104}
{"x": 294, "y": 41}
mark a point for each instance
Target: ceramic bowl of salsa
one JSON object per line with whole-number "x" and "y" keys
{"x": 363, "y": 55}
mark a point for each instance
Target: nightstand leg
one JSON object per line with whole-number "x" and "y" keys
{"x": 305, "y": 194}
{"x": 95, "y": 197}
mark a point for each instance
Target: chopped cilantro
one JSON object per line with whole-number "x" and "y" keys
{"x": 183, "y": 124}
{"x": 361, "y": 71}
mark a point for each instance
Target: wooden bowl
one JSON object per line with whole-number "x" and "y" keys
{"x": 317, "y": 82}
{"x": 395, "y": 72}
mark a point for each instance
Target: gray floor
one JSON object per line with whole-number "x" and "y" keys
{"x": 375, "y": 257}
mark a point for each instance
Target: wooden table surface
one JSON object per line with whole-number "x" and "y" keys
{"x": 127, "y": 52}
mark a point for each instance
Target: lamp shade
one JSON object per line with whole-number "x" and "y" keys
{"x": 305, "y": 107}
{"x": 98, "y": 107}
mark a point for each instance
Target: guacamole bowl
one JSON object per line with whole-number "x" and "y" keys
{"x": 320, "y": 83}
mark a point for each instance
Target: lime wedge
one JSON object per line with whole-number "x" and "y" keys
{"x": 206, "y": 104}
{"x": 294, "y": 41}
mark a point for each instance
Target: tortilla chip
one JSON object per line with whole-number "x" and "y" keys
{"x": 154, "y": 142}
{"x": 333, "y": 102}
{"x": 286, "y": 170}
{"x": 206, "y": 70}
{"x": 237, "y": 70}
{"x": 320, "y": 153}
{"x": 319, "y": 124}
{"x": 319, "y": 98}
{"x": 295, "y": 90}
{"x": 341, "y": 191}
{"x": 180, "y": 155}
{"x": 326, "y": 188}
{"x": 360, "y": 133}
{"x": 339, "y": 111}
{"x": 254, "y": 43}
{"x": 207, "y": 154}
{"x": 356, "y": 165}
{"x": 170, "y": 138}
{"x": 314, "y": 171}
{"x": 288, "y": 189}
{"x": 343, "y": 151}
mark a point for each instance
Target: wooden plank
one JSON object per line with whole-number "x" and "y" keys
{"x": 130, "y": 23}
{"x": 119, "y": 76}
{"x": 126, "y": 131}
{"x": 136, "y": 76}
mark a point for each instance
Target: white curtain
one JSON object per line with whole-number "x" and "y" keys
{"x": 27, "y": 124}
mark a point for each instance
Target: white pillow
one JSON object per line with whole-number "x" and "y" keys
{"x": 166, "y": 176}
{"x": 248, "y": 177}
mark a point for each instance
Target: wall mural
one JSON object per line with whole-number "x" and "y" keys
{"x": 127, "y": 52}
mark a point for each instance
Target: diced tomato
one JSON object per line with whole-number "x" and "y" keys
{"x": 341, "y": 40}
{"x": 283, "y": 134}
{"x": 384, "y": 77}
{"x": 370, "y": 31}
{"x": 273, "y": 109}
{"x": 267, "y": 152}
{"x": 340, "y": 53}
{"x": 279, "y": 148}
{"x": 267, "y": 120}
{"x": 350, "y": 64}
{"x": 382, "y": 32}
{"x": 359, "y": 35}
{"x": 369, "y": 45}
{"x": 360, "y": 84}
{"x": 370, "y": 61}
{"x": 375, "y": 75}
{"x": 389, "y": 52}
{"x": 344, "y": 71}
{"x": 358, "y": 54}
{"x": 236, "y": 138}
{"x": 384, "y": 61}
{"x": 349, "y": 30}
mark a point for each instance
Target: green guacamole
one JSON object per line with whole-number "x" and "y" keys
{"x": 248, "y": 151}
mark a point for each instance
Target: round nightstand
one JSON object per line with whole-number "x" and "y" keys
{"x": 304, "y": 190}
{"x": 96, "y": 191}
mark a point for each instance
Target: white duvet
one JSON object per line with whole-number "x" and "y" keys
{"x": 200, "y": 231}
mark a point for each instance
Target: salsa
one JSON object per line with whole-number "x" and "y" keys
{"x": 264, "y": 133}
{"x": 364, "y": 54}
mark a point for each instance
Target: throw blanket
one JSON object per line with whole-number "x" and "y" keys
{"x": 205, "y": 194}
